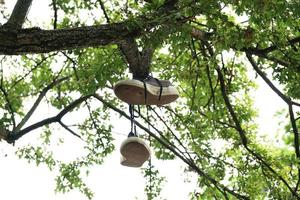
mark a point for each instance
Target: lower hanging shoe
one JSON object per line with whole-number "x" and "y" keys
{"x": 149, "y": 91}
{"x": 134, "y": 152}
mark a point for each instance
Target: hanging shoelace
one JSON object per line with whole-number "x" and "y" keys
{"x": 133, "y": 132}
{"x": 150, "y": 161}
{"x": 147, "y": 78}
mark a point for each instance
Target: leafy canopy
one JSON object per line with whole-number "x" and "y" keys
{"x": 208, "y": 49}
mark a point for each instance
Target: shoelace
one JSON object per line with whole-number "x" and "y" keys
{"x": 133, "y": 132}
{"x": 144, "y": 80}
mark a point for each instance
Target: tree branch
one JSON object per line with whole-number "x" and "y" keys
{"x": 104, "y": 11}
{"x": 16, "y": 135}
{"x": 296, "y": 141}
{"x": 35, "y": 40}
{"x": 139, "y": 62}
{"x": 8, "y": 104}
{"x": 37, "y": 102}
{"x": 55, "y": 14}
{"x": 167, "y": 146}
{"x": 36, "y": 66}
{"x": 239, "y": 128}
{"x": 68, "y": 129}
{"x": 269, "y": 49}
{"x": 243, "y": 136}
{"x": 269, "y": 82}
{"x": 18, "y": 14}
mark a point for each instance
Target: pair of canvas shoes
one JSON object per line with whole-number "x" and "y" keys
{"x": 150, "y": 91}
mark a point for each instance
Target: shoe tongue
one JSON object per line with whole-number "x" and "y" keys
{"x": 153, "y": 81}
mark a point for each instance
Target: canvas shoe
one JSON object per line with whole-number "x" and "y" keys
{"x": 150, "y": 91}
{"x": 134, "y": 152}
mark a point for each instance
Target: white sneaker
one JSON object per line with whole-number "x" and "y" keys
{"x": 134, "y": 152}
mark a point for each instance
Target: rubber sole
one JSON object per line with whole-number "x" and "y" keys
{"x": 134, "y": 152}
{"x": 133, "y": 92}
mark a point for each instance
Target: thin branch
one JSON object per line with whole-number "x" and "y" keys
{"x": 55, "y": 14}
{"x": 9, "y": 105}
{"x": 68, "y": 129}
{"x": 240, "y": 130}
{"x": 205, "y": 36}
{"x": 1, "y": 71}
{"x": 167, "y": 146}
{"x": 194, "y": 84}
{"x": 243, "y": 137}
{"x": 172, "y": 132}
{"x": 161, "y": 134}
{"x": 269, "y": 82}
{"x": 104, "y": 11}
{"x": 238, "y": 126}
{"x": 37, "y": 65}
{"x": 16, "y": 135}
{"x": 37, "y": 102}
{"x": 269, "y": 49}
{"x": 296, "y": 140}
{"x": 295, "y": 131}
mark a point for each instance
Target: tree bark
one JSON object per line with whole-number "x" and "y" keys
{"x": 19, "y": 14}
{"x": 36, "y": 40}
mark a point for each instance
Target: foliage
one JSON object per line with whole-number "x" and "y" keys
{"x": 208, "y": 49}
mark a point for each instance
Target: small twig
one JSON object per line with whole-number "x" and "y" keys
{"x": 1, "y": 71}
{"x": 55, "y": 14}
{"x": 37, "y": 65}
{"x": 172, "y": 132}
{"x": 70, "y": 130}
{"x": 9, "y": 105}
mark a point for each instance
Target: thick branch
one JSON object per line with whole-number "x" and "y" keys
{"x": 130, "y": 50}
{"x": 35, "y": 40}
{"x": 139, "y": 62}
{"x": 19, "y": 14}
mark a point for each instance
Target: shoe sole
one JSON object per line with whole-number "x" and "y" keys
{"x": 134, "y": 152}
{"x": 133, "y": 92}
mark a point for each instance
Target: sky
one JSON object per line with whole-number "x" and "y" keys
{"x": 22, "y": 180}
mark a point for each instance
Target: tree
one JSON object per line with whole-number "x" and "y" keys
{"x": 202, "y": 46}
